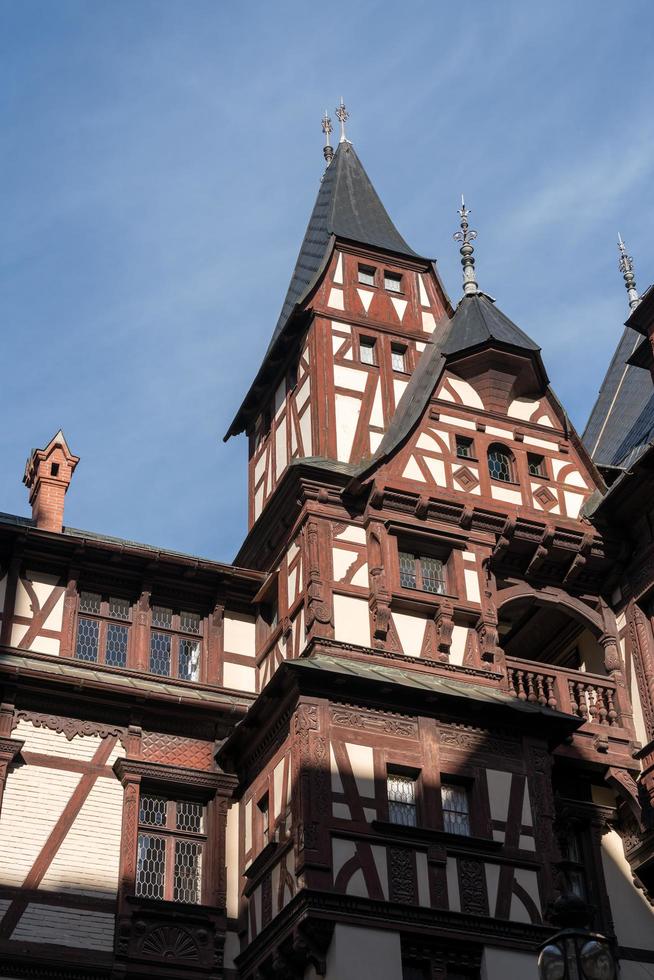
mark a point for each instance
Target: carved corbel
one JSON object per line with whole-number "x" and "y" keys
{"x": 542, "y": 550}
{"x": 444, "y": 623}
{"x": 487, "y": 623}
{"x": 504, "y": 539}
{"x": 318, "y": 610}
{"x": 380, "y": 597}
{"x": 580, "y": 559}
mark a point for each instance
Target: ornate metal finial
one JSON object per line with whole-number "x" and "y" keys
{"x": 466, "y": 236}
{"x": 342, "y": 114}
{"x": 327, "y": 130}
{"x": 626, "y": 267}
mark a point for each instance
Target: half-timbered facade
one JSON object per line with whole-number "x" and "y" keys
{"x": 415, "y": 711}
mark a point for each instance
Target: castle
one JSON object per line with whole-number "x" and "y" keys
{"x": 415, "y": 712}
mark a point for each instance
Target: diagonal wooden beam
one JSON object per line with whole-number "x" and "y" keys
{"x": 57, "y": 836}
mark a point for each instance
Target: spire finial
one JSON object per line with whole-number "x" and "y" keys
{"x": 466, "y": 236}
{"x": 626, "y": 266}
{"x": 327, "y": 130}
{"x": 342, "y": 114}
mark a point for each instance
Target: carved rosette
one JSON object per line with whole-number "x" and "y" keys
{"x": 170, "y": 937}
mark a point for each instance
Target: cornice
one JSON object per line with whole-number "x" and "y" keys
{"x": 129, "y": 769}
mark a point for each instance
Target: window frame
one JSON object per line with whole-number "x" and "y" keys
{"x": 511, "y": 463}
{"x": 368, "y": 343}
{"x": 104, "y": 620}
{"x": 408, "y": 773}
{"x": 177, "y": 635}
{"x": 418, "y": 557}
{"x": 467, "y": 786}
{"x": 403, "y": 351}
{"x": 460, "y": 440}
{"x": 171, "y": 834}
{"x": 364, "y": 269}
{"x": 542, "y": 474}
{"x": 397, "y": 277}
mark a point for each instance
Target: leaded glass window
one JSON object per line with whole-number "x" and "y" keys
{"x": 401, "y": 791}
{"x": 160, "y": 647}
{"x": 175, "y": 643}
{"x": 456, "y": 808}
{"x": 103, "y": 629}
{"x": 421, "y": 572}
{"x": 500, "y": 464}
{"x": 170, "y": 850}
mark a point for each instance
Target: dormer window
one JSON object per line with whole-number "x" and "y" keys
{"x": 367, "y": 275}
{"x": 500, "y": 464}
{"x": 367, "y": 350}
{"x": 392, "y": 282}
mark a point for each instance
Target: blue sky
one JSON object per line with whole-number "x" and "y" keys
{"x": 158, "y": 164}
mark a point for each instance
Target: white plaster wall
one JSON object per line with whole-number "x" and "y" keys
{"x": 239, "y": 677}
{"x": 239, "y": 633}
{"x": 347, "y": 418}
{"x": 633, "y": 916}
{"x": 34, "y": 799}
{"x": 231, "y": 862}
{"x": 411, "y": 631}
{"x": 65, "y": 927}
{"x": 87, "y": 861}
{"x": 505, "y": 964}
{"x": 361, "y": 760}
{"x": 351, "y": 620}
{"x": 356, "y": 952}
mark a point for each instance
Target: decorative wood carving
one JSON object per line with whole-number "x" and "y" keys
{"x": 472, "y": 887}
{"x": 175, "y": 750}
{"x": 402, "y": 880}
{"x": 70, "y": 727}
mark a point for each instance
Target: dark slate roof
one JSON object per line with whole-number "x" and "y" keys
{"x": 624, "y": 403}
{"x": 621, "y": 424}
{"x": 347, "y": 207}
{"x": 477, "y": 320}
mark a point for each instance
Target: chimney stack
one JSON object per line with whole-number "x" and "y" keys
{"x": 48, "y": 473}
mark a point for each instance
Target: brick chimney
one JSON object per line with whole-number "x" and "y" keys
{"x": 48, "y": 473}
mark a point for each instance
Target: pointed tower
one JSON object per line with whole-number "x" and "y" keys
{"x": 359, "y": 310}
{"x": 623, "y": 413}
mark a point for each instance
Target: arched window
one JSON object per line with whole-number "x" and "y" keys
{"x": 500, "y": 464}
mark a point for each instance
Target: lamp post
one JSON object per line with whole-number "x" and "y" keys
{"x": 575, "y": 953}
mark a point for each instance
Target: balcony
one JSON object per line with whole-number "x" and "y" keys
{"x": 593, "y": 698}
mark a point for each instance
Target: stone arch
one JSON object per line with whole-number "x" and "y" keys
{"x": 551, "y": 596}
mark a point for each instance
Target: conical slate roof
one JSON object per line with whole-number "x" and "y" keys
{"x": 477, "y": 320}
{"x": 347, "y": 206}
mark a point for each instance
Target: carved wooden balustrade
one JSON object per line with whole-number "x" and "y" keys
{"x": 590, "y": 697}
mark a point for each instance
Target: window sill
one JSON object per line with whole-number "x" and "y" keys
{"x": 503, "y": 483}
{"x": 425, "y": 835}
{"x": 469, "y": 459}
